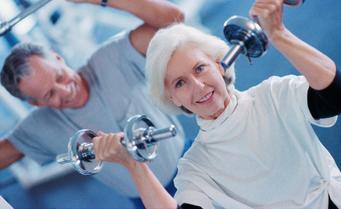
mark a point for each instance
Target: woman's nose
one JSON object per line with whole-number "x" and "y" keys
{"x": 197, "y": 83}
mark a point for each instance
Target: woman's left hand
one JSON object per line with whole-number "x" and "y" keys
{"x": 269, "y": 16}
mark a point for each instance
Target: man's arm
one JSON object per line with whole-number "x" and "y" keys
{"x": 8, "y": 154}
{"x": 155, "y": 14}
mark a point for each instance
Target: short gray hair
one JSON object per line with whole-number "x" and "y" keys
{"x": 16, "y": 66}
{"x": 160, "y": 50}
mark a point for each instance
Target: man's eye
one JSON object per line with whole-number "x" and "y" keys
{"x": 60, "y": 77}
{"x": 179, "y": 83}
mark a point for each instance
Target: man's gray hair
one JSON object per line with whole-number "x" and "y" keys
{"x": 16, "y": 66}
{"x": 160, "y": 50}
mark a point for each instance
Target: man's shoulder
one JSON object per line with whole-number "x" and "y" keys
{"x": 115, "y": 41}
{"x": 112, "y": 50}
{"x": 41, "y": 114}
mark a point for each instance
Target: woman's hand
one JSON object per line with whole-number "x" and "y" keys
{"x": 269, "y": 16}
{"x": 108, "y": 147}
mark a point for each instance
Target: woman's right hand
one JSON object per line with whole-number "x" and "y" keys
{"x": 108, "y": 147}
{"x": 269, "y": 16}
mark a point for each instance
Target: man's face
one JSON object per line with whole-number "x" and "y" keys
{"x": 52, "y": 84}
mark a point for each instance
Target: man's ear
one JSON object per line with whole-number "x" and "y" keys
{"x": 34, "y": 103}
{"x": 58, "y": 57}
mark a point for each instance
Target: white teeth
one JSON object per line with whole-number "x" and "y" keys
{"x": 71, "y": 88}
{"x": 205, "y": 98}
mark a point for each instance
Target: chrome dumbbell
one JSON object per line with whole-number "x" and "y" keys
{"x": 247, "y": 37}
{"x": 140, "y": 139}
{"x": 293, "y": 2}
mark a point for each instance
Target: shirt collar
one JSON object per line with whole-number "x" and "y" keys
{"x": 207, "y": 125}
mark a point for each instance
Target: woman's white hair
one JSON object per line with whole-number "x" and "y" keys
{"x": 160, "y": 50}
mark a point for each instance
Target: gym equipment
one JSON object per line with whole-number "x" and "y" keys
{"x": 293, "y": 2}
{"x": 140, "y": 139}
{"x": 6, "y": 26}
{"x": 247, "y": 37}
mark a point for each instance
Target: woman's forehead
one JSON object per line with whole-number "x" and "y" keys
{"x": 185, "y": 55}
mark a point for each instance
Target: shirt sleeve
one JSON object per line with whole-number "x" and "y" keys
{"x": 117, "y": 58}
{"x": 189, "y": 206}
{"x": 130, "y": 52}
{"x": 289, "y": 95}
{"x": 26, "y": 138}
{"x": 193, "y": 197}
{"x": 326, "y": 103}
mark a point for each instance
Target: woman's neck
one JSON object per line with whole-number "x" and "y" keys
{"x": 220, "y": 111}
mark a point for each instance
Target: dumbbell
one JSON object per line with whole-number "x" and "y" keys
{"x": 247, "y": 37}
{"x": 293, "y": 2}
{"x": 140, "y": 139}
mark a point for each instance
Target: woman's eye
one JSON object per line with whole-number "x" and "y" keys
{"x": 200, "y": 68}
{"x": 179, "y": 83}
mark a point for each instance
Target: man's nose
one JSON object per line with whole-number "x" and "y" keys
{"x": 63, "y": 90}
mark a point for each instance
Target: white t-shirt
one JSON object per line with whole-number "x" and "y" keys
{"x": 261, "y": 152}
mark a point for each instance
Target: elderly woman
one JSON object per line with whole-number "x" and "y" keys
{"x": 255, "y": 149}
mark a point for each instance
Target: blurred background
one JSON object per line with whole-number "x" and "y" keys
{"x": 75, "y": 31}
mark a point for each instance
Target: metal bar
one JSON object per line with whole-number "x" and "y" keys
{"x": 231, "y": 56}
{"x": 6, "y": 26}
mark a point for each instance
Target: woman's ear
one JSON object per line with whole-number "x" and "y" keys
{"x": 173, "y": 100}
{"x": 220, "y": 68}
{"x": 176, "y": 102}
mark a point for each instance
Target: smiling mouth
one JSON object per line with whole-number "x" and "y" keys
{"x": 206, "y": 98}
{"x": 72, "y": 94}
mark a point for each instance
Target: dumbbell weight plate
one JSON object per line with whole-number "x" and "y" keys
{"x": 241, "y": 30}
{"x": 81, "y": 153}
{"x": 139, "y": 150}
{"x": 294, "y": 2}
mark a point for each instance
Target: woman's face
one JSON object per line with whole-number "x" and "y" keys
{"x": 195, "y": 81}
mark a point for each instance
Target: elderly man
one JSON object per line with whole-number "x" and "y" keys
{"x": 101, "y": 95}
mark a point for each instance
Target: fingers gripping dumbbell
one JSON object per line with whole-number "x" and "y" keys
{"x": 140, "y": 139}
{"x": 247, "y": 37}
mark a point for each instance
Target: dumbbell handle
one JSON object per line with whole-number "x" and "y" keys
{"x": 87, "y": 153}
{"x": 231, "y": 55}
{"x": 154, "y": 135}
{"x": 63, "y": 158}
{"x": 149, "y": 135}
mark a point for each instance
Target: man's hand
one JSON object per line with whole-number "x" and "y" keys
{"x": 8, "y": 154}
